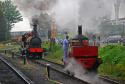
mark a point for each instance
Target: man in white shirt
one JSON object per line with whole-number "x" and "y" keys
{"x": 65, "y": 48}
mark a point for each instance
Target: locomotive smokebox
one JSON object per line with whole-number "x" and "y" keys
{"x": 79, "y": 29}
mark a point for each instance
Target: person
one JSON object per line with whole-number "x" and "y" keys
{"x": 24, "y": 41}
{"x": 65, "y": 49}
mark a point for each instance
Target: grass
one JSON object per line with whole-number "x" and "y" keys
{"x": 14, "y": 46}
{"x": 56, "y": 54}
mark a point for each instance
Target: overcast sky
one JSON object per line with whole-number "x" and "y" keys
{"x": 22, "y": 25}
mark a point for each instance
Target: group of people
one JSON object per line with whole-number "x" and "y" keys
{"x": 26, "y": 39}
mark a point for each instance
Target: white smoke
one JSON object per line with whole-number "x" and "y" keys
{"x": 66, "y": 11}
{"x": 79, "y": 72}
{"x": 70, "y": 13}
{"x": 121, "y": 9}
{"x": 32, "y": 8}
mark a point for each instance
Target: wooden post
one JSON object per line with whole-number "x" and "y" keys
{"x": 5, "y": 51}
{"x": 48, "y": 70}
{"x": 12, "y": 54}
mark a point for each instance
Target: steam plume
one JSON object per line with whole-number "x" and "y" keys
{"x": 69, "y": 13}
{"x": 82, "y": 74}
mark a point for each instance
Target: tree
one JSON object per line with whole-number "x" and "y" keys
{"x": 12, "y": 15}
{"x": 3, "y": 27}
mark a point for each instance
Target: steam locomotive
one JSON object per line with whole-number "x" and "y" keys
{"x": 83, "y": 53}
{"x": 31, "y": 44}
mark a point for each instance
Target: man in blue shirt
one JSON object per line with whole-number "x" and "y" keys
{"x": 65, "y": 48}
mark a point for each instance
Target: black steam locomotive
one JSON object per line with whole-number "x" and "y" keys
{"x": 31, "y": 44}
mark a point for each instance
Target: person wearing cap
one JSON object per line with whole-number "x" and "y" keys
{"x": 65, "y": 49}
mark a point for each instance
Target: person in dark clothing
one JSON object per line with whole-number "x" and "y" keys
{"x": 24, "y": 41}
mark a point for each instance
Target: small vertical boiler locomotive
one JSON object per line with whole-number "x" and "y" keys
{"x": 83, "y": 53}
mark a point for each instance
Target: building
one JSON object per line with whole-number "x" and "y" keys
{"x": 18, "y": 33}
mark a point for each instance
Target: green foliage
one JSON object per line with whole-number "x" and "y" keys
{"x": 113, "y": 54}
{"x": 11, "y": 13}
{"x": 112, "y": 70}
{"x": 56, "y": 54}
{"x": 46, "y": 45}
{"x": 3, "y": 27}
{"x": 8, "y": 16}
{"x": 113, "y": 57}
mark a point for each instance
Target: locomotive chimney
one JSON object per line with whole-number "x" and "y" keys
{"x": 35, "y": 24}
{"x": 79, "y": 29}
{"x": 35, "y": 29}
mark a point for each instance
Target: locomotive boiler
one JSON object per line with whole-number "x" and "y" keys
{"x": 83, "y": 53}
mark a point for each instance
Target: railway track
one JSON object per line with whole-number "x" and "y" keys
{"x": 59, "y": 68}
{"x": 13, "y": 75}
{"x": 57, "y": 74}
{"x": 55, "y": 67}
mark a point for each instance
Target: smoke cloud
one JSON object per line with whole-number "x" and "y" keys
{"x": 82, "y": 74}
{"x": 69, "y": 13}
{"x": 34, "y": 7}
{"x": 36, "y": 11}
{"x": 121, "y": 9}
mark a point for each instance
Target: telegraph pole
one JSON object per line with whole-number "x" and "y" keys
{"x": 123, "y": 29}
{"x": 116, "y": 6}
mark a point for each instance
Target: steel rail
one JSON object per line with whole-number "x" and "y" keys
{"x": 109, "y": 80}
{"x": 101, "y": 77}
{"x": 17, "y": 72}
{"x": 60, "y": 71}
{"x": 56, "y": 69}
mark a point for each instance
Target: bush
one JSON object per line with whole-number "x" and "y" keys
{"x": 113, "y": 57}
